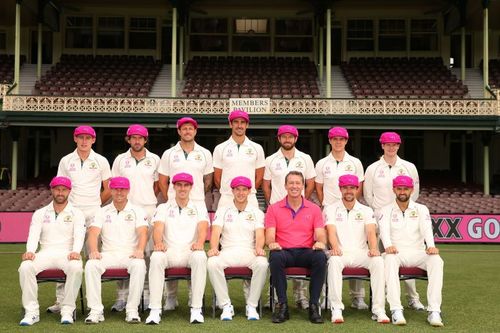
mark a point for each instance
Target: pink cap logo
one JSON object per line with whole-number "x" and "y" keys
{"x": 241, "y": 181}
{"x": 338, "y": 131}
{"x": 348, "y": 180}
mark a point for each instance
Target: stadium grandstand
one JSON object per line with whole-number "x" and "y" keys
{"x": 426, "y": 69}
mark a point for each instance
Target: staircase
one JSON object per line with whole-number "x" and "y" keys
{"x": 162, "y": 85}
{"x": 340, "y": 88}
{"x": 473, "y": 81}
{"x": 27, "y": 78}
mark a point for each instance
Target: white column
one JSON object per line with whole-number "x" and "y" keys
{"x": 37, "y": 153}
{"x": 321, "y": 50}
{"x": 464, "y": 159}
{"x": 462, "y": 54}
{"x": 17, "y": 48}
{"x": 486, "y": 169}
{"x": 14, "y": 165}
{"x": 181, "y": 52}
{"x": 174, "y": 52}
{"x": 39, "y": 53}
{"x": 328, "y": 53}
{"x": 485, "y": 51}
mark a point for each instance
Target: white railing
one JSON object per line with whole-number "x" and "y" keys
{"x": 443, "y": 107}
{"x": 3, "y": 89}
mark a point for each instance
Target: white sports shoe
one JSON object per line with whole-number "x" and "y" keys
{"x": 398, "y": 318}
{"x": 381, "y": 318}
{"x": 416, "y": 305}
{"x": 337, "y": 317}
{"x": 170, "y": 303}
{"x": 252, "y": 313}
{"x": 119, "y": 306}
{"x": 94, "y": 318}
{"x": 132, "y": 317}
{"x": 359, "y": 303}
{"x": 29, "y": 319}
{"x": 154, "y": 317}
{"x": 227, "y": 312}
{"x": 56, "y": 308}
{"x": 67, "y": 318}
{"x": 434, "y": 319}
{"x": 196, "y": 316}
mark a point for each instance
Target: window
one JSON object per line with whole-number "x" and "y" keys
{"x": 209, "y": 25}
{"x": 295, "y": 44}
{"x": 294, "y": 27}
{"x": 251, "y": 26}
{"x": 424, "y": 35}
{"x": 209, "y": 43}
{"x": 3, "y": 40}
{"x": 142, "y": 33}
{"x": 251, "y": 44}
{"x": 392, "y": 35}
{"x": 79, "y": 32}
{"x": 111, "y": 33}
{"x": 360, "y": 35}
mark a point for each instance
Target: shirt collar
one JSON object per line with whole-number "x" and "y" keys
{"x": 178, "y": 146}
{"x": 284, "y": 203}
{"x": 127, "y": 207}
{"x": 398, "y": 161}
{"x": 245, "y": 142}
{"x": 147, "y": 153}
{"x": 411, "y": 205}
{"x": 67, "y": 208}
{"x": 92, "y": 155}
{"x": 346, "y": 155}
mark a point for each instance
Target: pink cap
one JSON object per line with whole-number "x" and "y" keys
{"x": 186, "y": 120}
{"x": 390, "y": 137}
{"x": 403, "y": 181}
{"x": 288, "y": 129}
{"x": 183, "y": 177}
{"x": 348, "y": 180}
{"x": 84, "y": 130}
{"x": 238, "y": 114}
{"x": 137, "y": 129}
{"x": 119, "y": 182}
{"x": 338, "y": 131}
{"x": 241, "y": 181}
{"x": 60, "y": 181}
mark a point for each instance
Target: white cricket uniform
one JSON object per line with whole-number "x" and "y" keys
{"x": 351, "y": 234}
{"x": 238, "y": 245}
{"x": 86, "y": 180}
{"x": 377, "y": 188}
{"x": 277, "y": 167}
{"x": 197, "y": 163}
{"x": 179, "y": 234}
{"x": 328, "y": 171}
{"x": 238, "y": 160}
{"x": 119, "y": 241}
{"x": 410, "y": 232}
{"x": 58, "y": 236}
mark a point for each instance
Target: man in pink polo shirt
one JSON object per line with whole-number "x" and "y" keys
{"x": 296, "y": 236}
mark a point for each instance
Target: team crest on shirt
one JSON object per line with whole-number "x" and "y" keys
{"x": 249, "y": 152}
{"x": 190, "y": 212}
{"x": 229, "y": 153}
{"x": 229, "y": 218}
{"x": 108, "y": 219}
{"x": 401, "y": 172}
{"x": 339, "y": 217}
{"x": 129, "y": 218}
{"x": 278, "y": 167}
{"x": 358, "y": 217}
{"x": 348, "y": 168}
{"x": 68, "y": 219}
{"x": 93, "y": 166}
{"x": 381, "y": 174}
{"x": 147, "y": 162}
{"x": 299, "y": 165}
{"x": 127, "y": 164}
{"x": 413, "y": 214}
{"x": 328, "y": 171}
{"x": 72, "y": 167}
{"x": 46, "y": 219}
{"x": 176, "y": 158}
{"x": 197, "y": 157}
{"x": 395, "y": 218}
{"x": 171, "y": 213}
{"x": 250, "y": 217}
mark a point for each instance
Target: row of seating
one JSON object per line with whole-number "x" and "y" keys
{"x": 494, "y": 73}
{"x": 7, "y": 67}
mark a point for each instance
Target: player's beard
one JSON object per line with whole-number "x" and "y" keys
{"x": 287, "y": 146}
{"x": 349, "y": 197}
{"x": 60, "y": 199}
{"x": 137, "y": 148}
{"x": 403, "y": 198}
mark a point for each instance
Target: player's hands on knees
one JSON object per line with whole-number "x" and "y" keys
{"x": 159, "y": 247}
{"x": 95, "y": 255}
{"x": 197, "y": 247}
{"x": 28, "y": 256}
{"x": 391, "y": 250}
{"x": 373, "y": 253}
{"x": 275, "y": 246}
{"x": 336, "y": 251}
{"x": 432, "y": 250}
{"x": 74, "y": 256}
{"x": 213, "y": 252}
{"x": 259, "y": 252}
{"x": 318, "y": 246}
{"x": 138, "y": 254}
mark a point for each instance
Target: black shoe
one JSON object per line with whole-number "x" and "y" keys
{"x": 314, "y": 315}
{"x": 280, "y": 314}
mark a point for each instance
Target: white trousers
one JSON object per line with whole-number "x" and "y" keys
{"x": 232, "y": 257}
{"x": 50, "y": 260}
{"x": 227, "y": 199}
{"x": 433, "y": 264}
{"x": 94, "y": 268}
{"x": 356, "y": 259}
{"x": 196, "y": 260}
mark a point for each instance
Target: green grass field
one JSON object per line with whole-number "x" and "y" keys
{"x": 471, "y": 303}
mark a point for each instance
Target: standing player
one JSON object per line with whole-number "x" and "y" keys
{"x": 238, "y": 156}
{"x": 180, "y": 229}
{"x": 406, "y": 232}
{"x": 328, "y": 171}
{"x": 350, "y": 226}
{"x": 59, "y": 228}
{"x": 186, "y": 156}
{"x": 286, "y": 159}
{"x": 89, "y": 172}
{"x": 378, "y": 190}
{"x": 242, "y": 230}
{"x": 140, "y": 166}
{"x": 123, "y": 228}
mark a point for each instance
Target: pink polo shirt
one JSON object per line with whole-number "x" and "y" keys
{"x": 294, "y": 229}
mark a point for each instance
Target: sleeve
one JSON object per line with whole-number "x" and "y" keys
{"x": 360, "y": 172}
{"x": 261, "y": 157}
{"x": 319, "y": 222}
{"x": 155, "y": 173}
{"x": 369, "y": 216}
{"x": 97, "y": 219}
{"x": 61, "y": 169}
{"x": 202, "y": 213}
{"x": 209, "y": 165}
{"x": 319, "y": 171}
{"x": 217, "y": 157}
{"x": 267, "y": 172}
{"x": 416, "y": 182}
{"x": 385, "y": 227}
{"x": 259, "y": 219}
{"x": 310, "y": 171}
{"x": 270, "y": 218}
{"x": 141, "y": 218}
{"x": 328, "y": 216}
{"x": 163, "y": 168}
{"x": 34, "y": 232}
{"x": 368, "y": 185}
{"x": 160, "y": 213}
{"x": 78, "y": 231}
{"x": 219, "y": 217}
{"x": 115, "y": 169}
{"x": 426, "y": 226}
{"x": 105, "y": 169}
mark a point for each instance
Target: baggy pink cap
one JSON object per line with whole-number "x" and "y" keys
{"x": 137, "y": 129}
{"x": 183, "y": 177}
{"x": 119, "y": 182}
{"x": 390, "y": 137}
{"x": 241, "y": 181}
{"x": 338, "y": 131}
{"x": 60, "y": 181}
{"x": 84, "y": 130}
{"x": 403, "y": 181}
{"x": 238, "y": 114}
{"x": 288, "y": 129}
{"x": 348, "y": 180}
{"x": 186, "y": 120}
